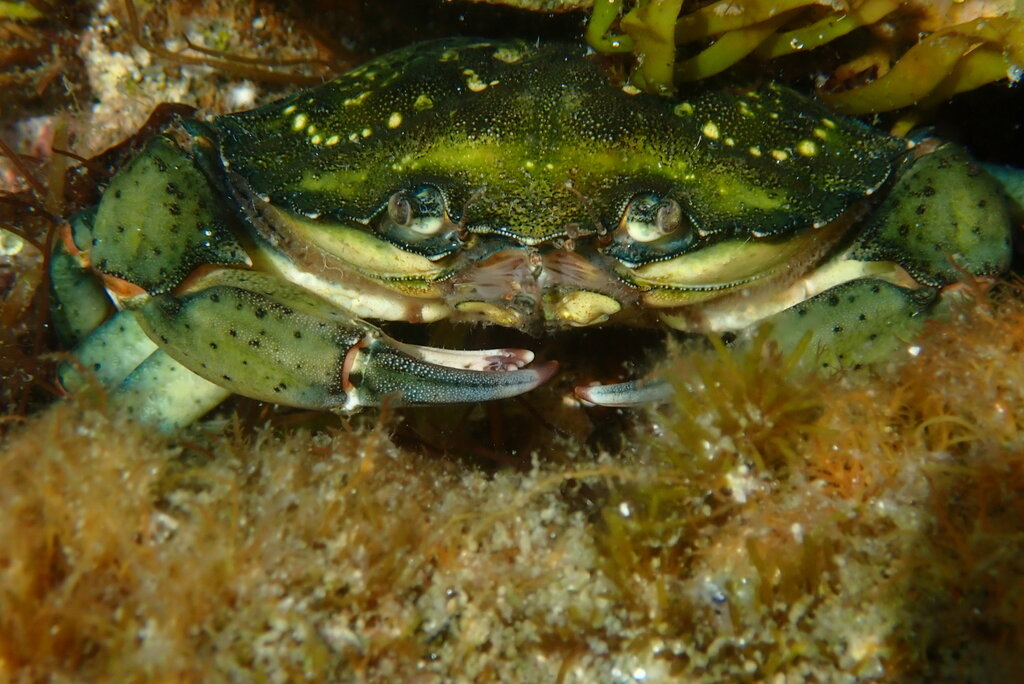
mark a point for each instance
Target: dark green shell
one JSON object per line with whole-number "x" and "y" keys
{"x": 537, "y": 142}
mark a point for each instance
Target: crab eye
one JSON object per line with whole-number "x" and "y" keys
{"x": 648, "y": 217}
{"x": 421, "y": 210}
{"x": 652, "y": 228}
{"x": 400, "y": 209}
{"x": 669, "y": 218}
{"x": 417, "y": 221}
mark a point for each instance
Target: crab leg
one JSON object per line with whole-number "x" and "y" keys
{"x": 164, "y": 394}
{"x": 109, "y": 354}
{"x": 80, "y": 304}
{"x": 258, "y": 335}
{"x": 145, "y": 382}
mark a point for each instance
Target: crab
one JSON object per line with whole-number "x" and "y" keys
{"x": 507, "y": 183}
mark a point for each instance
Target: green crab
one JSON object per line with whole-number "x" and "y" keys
{"x": 508, "y": 183}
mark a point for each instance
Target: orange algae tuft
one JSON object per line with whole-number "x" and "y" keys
{"x": 770, "y": 523}
{"x": 882, "y": 538}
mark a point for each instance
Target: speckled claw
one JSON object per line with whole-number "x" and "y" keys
{"x": 383, "y": 370}
{"x": 254, "y": 333}
{"x": 630, "y": 394}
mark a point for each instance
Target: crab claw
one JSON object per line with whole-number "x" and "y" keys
{"x": 382, "y": 369}
{"x": 629, "y": 394}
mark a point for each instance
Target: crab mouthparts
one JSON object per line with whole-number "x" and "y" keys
{"x": 537, "y": 288}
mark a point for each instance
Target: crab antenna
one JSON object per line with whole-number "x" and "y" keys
{"x": 589, "y": 206}
{"x": 460, "y": 230}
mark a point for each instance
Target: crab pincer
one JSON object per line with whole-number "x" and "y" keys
{"x": 382, "y": 368}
